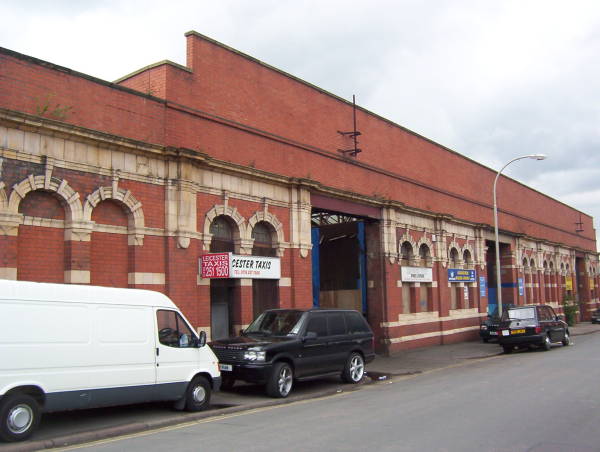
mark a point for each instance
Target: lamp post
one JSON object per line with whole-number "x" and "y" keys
{"x": 498, "y": 280}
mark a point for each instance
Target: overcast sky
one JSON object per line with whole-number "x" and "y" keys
{"x": 490, "y": 79}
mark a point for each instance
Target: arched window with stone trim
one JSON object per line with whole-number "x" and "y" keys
{"x": 453, "y": 255}
{"x": 221, "y": 231}
{"x": 262, "y": 234}
{"x": 406, "y": 253}
{"x": 265, "y": 292}
{"x": 425, "y": 255}
{"x": 41, "y": 245}
{"x": 467, "y": 259}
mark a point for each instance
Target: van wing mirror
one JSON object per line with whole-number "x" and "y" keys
{"x": 202, "y": 339}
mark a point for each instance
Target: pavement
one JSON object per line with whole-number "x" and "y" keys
{"x": 93, "y": 425}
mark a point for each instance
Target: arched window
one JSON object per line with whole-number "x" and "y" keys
{"x": 222, "y": 235}
{"x": 525, "y": 262}
{"x": 406, "y": 253}
{"x": 425, "y": 255}
{"x": 263, "y": 240}
{"x": 454, "y": 257}
{"x": 468, "y": 261}
{"x": 532, "y": 264}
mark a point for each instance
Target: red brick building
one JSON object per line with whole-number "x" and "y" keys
{"x": 129, "y": 183}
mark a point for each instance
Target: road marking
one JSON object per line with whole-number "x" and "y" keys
{"x": 217, "y": 418}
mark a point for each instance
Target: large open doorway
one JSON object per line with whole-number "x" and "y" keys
{"x": 339, "y": 261}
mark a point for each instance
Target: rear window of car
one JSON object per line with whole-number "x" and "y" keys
{"x": 356, "y": 323}
{"x": 521, "y": 314}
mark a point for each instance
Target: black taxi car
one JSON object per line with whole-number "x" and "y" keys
{"x": 285, "y": 345}
{"x": 534, "y": 325}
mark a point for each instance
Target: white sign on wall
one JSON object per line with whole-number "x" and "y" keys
{"x": 416, "y": 274}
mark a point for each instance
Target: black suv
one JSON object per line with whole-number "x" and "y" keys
{"x": 531, "y": 325}
{"x": 283, "y": 345}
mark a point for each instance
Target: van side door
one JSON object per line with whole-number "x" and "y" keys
{"x": 177, "y": 357}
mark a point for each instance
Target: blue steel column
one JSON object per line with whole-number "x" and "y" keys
{"x": 316, "y": 268}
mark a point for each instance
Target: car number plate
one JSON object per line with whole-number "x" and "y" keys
{"x": 521, "y": 331}
{"x": 226, "y": 367}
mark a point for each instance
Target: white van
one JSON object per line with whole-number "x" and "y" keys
{"x": 66, "y": 347}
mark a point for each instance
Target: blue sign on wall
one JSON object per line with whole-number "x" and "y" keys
{"x": 521, "y": 291}
{"x": 460, "y": 275}
{"x": 482, "y": 286}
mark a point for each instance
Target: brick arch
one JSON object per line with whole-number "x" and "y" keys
{"x": 271, "y": 219}
{"x": 135, "y": 213}
{"x": 68, "y": 196}
{"x": 240, "y": 231}
{"x": 469, "y": 248}
{"x": 406, "y": 237}
{"x": 429, "y": 244}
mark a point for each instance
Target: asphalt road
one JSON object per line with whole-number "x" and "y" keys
{"x": 528, "y": 401}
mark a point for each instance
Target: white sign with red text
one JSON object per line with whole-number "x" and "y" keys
{"x": 229, "y": 265}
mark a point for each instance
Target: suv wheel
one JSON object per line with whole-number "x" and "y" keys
{"x": 547, "y": 345}
{"x": 354, "y": 368}
{"x": 567, "y": 339}
{"x": 507, "y": 348}
{"x": 281, "y": 380}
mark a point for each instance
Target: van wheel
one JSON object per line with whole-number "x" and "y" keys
{"x": 19, "y": 417}
{"x": 197, "y": 396}
{"x": 280, "y": 381}
{"x": 354, "y": 368}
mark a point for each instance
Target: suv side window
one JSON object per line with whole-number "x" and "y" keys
{"x": 317, "y": 324}
{"x": 544, "y": 313}
{"x": 336, "y": 323}
{"x": 172, "y": 330}
{"x": 356, "y": 323}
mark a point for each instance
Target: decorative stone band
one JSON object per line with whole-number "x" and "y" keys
{"x": 146, "y": 278}
{"x": 77, "y": 277}
{"x": 416, "y": 337}
{"x": 8, "y": 273}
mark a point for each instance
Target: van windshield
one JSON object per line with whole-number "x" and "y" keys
{"x": 276, "y": 323}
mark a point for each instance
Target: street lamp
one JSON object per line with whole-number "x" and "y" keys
{"x": 498, "y": 281}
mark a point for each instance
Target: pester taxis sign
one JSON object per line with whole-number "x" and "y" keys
{"x": 229, "y": 265}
